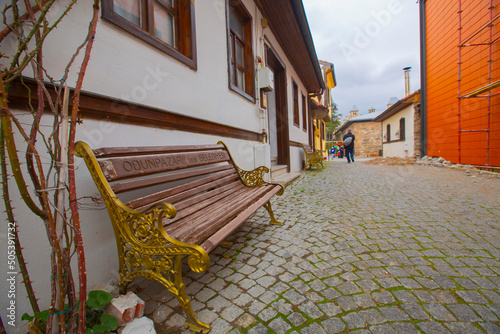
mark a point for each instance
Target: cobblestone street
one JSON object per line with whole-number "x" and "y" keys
{"x": 362, "y": 249}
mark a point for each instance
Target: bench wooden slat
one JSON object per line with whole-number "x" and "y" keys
{"x": 108, "y": 152}
{"x": 128, "y": 167}
{"x": 212, "y": 242}
{"x": 193, "y": 230}
{"x": 197, "y": 203}
{"x": 129, "y": 185}
{"x": 186, "y": 190}
{"x": 183, "y": 225}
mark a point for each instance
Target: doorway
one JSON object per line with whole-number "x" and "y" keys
{"x": 277, "y": 109}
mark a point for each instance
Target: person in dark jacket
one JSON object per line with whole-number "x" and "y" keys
{"x": 349, "y": 149}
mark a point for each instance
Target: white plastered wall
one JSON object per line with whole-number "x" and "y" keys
{"x": 126, "y": 68}
{"x": 399, "y": 148}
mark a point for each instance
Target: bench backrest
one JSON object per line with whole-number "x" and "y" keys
{"x": 307, "y": 148}
{"x": 186, "y": 169}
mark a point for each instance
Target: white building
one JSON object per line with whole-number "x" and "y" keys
{"x": 398, "y": 126}
{"x": 195, "y": 80}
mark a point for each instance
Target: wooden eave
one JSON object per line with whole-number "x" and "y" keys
{"x": 288, "y": 22}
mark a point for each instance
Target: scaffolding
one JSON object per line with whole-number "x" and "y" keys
{"x": 483, "y": 92}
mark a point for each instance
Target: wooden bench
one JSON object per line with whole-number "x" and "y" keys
{"x": 312, "y": 158}
{"x": 182, "y": 201}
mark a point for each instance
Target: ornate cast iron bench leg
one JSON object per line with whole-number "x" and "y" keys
{"x": 271, "y": 214}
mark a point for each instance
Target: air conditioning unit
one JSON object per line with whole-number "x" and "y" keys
{"x": 266, "y": 79}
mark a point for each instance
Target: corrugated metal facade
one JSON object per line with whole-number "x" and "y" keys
{"x": 463, "y": 130}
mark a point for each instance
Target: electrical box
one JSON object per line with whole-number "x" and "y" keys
{"x": 266, "y": 79}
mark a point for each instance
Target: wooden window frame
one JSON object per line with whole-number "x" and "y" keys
{"x": 185, "y": 32}
{"x": 304, "y": 112}
{"x": 402, "y": 129}
{"x": 296, "y": 114}
{"x": 232, "y": 35}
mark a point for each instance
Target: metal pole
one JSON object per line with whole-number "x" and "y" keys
{"x": 459, "y": 80}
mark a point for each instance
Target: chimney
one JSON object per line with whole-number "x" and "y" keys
{"x": 371, "y": 110}
{"x": 407, "y": 80}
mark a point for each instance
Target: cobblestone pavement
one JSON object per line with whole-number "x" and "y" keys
{"x": 362, "y": 249}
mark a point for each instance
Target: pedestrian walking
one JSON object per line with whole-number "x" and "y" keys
{"x": 349, "y": 139}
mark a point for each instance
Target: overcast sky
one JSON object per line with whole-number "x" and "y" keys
{"x": 369, "y": 42}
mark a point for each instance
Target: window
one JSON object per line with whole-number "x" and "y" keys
{"x": 402, "y": 134}
{"x": 296, "y": 118}
{"x": 388, "y": 132}
{"x": 241, "y": 74}
{"x": 304, "y": 112}
{"x": 166, "y": 24}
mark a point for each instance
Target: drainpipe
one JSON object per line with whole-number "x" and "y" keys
{"x": 423, "y": 80}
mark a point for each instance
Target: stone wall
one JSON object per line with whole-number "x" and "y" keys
{"x": 417, "y": 135}
{"x": 368, "y": 138}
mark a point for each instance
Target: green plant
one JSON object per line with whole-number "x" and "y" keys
{"x": 96, "y": 320}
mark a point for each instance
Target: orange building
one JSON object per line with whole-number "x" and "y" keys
{"x": 460, "y": 61}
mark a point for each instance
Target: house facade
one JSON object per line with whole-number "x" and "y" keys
{"x": 175, "y": 73}
{"x": 460, "y": 80}
{"x": 399, "y": 138}
{"x": 322, "y": 107}
{"x": 368, "y": 133}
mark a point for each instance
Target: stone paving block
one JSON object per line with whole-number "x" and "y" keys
{"x": 296, "y": 319}
{"x": 432, "y": 327}
{"x": 424, "y": 296}
{"x": 384, "y": 297}
{"x": 443, "y": 296}
{"x": 313, "y": 329}
{"x": 354, "y": 320}
{"x": 267, "y": 314}
{"x": 463, "y": 313}
{"x": 405, "y": 296}
{"x": 294, "y": 297}
{"x": 279, "y": 326}
{"x": 346, "y": 303}
{"x": 485, "y": 313}
{"x": 218, "y": 303}
{"x": 439, "y": 312}
{"x": 393, "y": 313}
{"x": 472, "y": 297}
{"x": 311, "y": 310}
{"x": 382, "y": 329}
{"x": 388, "y": 283}
{"x": 463, "y": 327}
{"x": 490, "y": 328}
{"x": 364, "y": 300}
{"x": 282, "y": 307}
{"x": 466, "y": 283}
{"x": 415, "y": 311}
{"x": 372, "y": 316}
{"x": 404, "y": 328}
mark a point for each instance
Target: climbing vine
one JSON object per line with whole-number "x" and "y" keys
{"x": 47, "y": 189}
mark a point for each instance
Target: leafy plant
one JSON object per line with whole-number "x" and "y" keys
{"x": 96, "y": 320}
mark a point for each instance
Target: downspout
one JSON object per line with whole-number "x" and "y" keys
{"x": 423, "y": 80}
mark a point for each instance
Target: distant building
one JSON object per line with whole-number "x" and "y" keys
{"x": 401, "y": 138}
{"x": 322, "y": 106}
{"x": 353, "y": 113}
{"x": 368, "y": 133}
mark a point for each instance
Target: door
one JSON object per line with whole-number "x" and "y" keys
{"x": 279, "y": 139}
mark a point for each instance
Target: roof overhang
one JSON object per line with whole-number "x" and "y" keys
{"x": 287, "y": 20}
{"x": 320, "y": 111}
{"x": 398, "y": 106}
